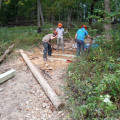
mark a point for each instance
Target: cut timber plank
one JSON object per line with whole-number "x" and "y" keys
{"x": 7, "y": 75}
{"x": 59, "y": 59}
{"x": 66, "y": 55}
{"x": 46, "y": 87}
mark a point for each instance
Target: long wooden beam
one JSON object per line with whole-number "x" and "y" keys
{"x": 66, "y": 55}
{"x": 59, "y": 59}
{"x": 7, "y": 75}
{"x": 46, "y": 87}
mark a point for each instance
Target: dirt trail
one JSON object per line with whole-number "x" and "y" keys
{"x": 23, "y": 98}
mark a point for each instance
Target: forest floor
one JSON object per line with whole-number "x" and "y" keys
{"x": 22, "y": 98}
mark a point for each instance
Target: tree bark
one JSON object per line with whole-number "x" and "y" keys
{"x": 107, "y": 26}
{"x": 69, "y": 18}
{"x": 41, "y": 14}
{"x": 32, "y": 15}
{"x": 92, "y": 11}
{"x": 46, "y": 87}
{"x": 38, "y": 13}
{"x": 9, "y": 50}
{"x": 86, "y": 12}
{"x": 77, "y": 3}
{"x": 53, "y": 19}
{"x": 0, "y": 4}
{"x": 81, "y": 13}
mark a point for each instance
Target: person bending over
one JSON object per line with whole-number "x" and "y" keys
{"x": 46, "y": 44}
{"x": 79, "y": 37}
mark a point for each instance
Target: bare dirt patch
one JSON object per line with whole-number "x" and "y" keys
{"x": 22, "y": 97}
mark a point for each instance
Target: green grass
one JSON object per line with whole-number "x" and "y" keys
{"x": 22, "y": 37}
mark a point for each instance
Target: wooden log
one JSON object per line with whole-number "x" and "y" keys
{"x": 9, "y": 50}
{"x": 7, "y": 75}
{"x": 46, "y": 87}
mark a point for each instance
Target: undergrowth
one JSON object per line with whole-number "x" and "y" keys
{"x": 93, "y": 82}
{"x": 22, "y": 36}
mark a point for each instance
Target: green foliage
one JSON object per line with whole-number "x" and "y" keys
{"x": 6, "y": 1}
{"x": 93, "y": 83}
{"x": 92, "y": 32}
{"x": 96, "y": 28}
{"x": 20, "y": 36}
{"x": 116, "y": 38}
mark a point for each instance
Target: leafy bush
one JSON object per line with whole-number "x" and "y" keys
{"x": 98, "y": 26}
{"x": 93, "y": 83}
{"x": 92, "y": 32}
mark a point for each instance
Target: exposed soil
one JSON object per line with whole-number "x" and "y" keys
{"x": 22, "y": 97}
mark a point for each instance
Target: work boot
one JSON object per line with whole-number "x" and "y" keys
{"x": 45, "y": 59}
{"x": 49, "y": 56}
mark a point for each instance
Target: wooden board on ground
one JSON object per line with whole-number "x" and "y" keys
{"x": 59, "y": 59}
{"x": 66, "y": 55}
{"x": 7, "y": 75}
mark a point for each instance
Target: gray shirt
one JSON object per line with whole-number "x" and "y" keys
{"x": 60, "y": 32}
{"x": 47, "y": 38}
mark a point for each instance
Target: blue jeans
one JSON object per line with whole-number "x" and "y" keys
{"x": 80, "y": 46}
{"x": 47, "y": 48}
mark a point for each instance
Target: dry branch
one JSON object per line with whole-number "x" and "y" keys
{"x": 44, "y": 72}
{"x": 46, "y": 87}
{"x": 9, "y": 50}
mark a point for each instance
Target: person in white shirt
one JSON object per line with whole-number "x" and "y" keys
{"x": 60, "y": 40}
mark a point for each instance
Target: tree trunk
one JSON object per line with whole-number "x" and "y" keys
{"x": 0, "y": 4}
{"x": 92, "y": 11}
{"x": 41, "y": 14}
{"x": 38, "y": 13}
{"x": 77, "y": 11}
{"x": 59, "y": 15}
{"x": 86, "y": 13}
{"x": 32, "y": 15}
{"x": 53, "y": 19}
{"x": 81, "y": 15}
{"x": 107, "y": 26}
{"x": 69, "y": 18}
